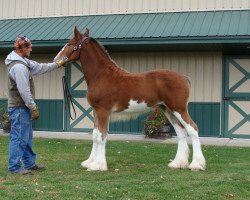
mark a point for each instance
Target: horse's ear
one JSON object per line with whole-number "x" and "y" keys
{"x": 76, "y": 32}
{"x": 86, "y": 32}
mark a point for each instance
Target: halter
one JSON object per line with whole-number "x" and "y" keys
{"x": 76, "y": 48}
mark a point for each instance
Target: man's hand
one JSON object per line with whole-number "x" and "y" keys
{"x": 61, "y": 62}
{"x": 35, "y": 113}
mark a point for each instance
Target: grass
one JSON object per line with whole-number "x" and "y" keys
{"x": 137, "y": 170}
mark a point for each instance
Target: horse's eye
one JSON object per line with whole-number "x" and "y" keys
{"x": 68, "y": 44}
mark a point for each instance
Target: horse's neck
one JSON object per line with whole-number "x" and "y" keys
{"x": 94, "y": 63}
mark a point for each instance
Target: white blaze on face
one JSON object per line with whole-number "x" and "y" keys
{"x": 134, "y": 106}
{"x": 58, "y": 55}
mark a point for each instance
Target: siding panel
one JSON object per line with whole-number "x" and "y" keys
{"x": 48, "y": 85}
{"x": 205, "y": 115}
{"x": 46, "y": 8}
{"x": 3, "y": 78}
{"x": 51, "y": 115}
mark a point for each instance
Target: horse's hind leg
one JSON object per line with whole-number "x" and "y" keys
{"x": 181, "y": 159}
{"x": 198, "y": 161}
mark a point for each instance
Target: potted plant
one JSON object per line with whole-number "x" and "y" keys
{"x": 157, "y": 125}
{"x": 4, "y": 118}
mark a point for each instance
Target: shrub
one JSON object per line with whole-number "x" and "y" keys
{"x": 4, "y": 118}
{"x": 156, "y": 124}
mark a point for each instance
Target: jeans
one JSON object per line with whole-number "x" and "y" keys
{"x": 20, "y": 145}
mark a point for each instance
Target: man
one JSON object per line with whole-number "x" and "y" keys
{"x": 21, "y": 105}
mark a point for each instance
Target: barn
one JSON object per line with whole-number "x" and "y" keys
{"x": 207, "y": 40}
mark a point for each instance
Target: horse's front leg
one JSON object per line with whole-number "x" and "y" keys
{"x": 99, "y": 162}
{"x": 92, "y": 156}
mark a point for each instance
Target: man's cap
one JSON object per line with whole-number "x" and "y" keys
{"x": 22, "y": 42}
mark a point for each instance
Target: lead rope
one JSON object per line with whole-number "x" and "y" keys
{"x": 68, "y": 98}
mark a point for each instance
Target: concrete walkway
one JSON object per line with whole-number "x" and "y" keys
{"x": 130, "y": 137}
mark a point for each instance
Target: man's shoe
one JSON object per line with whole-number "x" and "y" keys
{"x": 22, "y": 172}
{"x": 37, "y": 168}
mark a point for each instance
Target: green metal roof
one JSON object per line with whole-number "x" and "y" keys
{"x": 210, "y": 27}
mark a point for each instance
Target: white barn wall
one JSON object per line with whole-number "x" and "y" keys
{"x": 3, "y": 78}
{"x": 10, "y": 9}
{"x": 48, "y": 85}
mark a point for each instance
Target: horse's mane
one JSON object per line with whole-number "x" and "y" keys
{"x": 102, "y": 48}
{"x": 115, "y": 68}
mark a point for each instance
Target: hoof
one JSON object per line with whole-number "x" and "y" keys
{"x": 197, "y": 165}
{"x": 95, "y": 166}
{"x": 178, "y": 164}
{"x": 86, "y": 163}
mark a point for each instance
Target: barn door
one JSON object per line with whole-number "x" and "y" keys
{"x": 78, "y": 89}
{"x": 236, "y": 99}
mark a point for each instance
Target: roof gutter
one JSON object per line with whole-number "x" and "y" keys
{"x": 143, "y": 41}
{"x": 176, "y": 40}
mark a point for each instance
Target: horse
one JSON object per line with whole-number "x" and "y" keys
{"x": 112, "y": 91}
